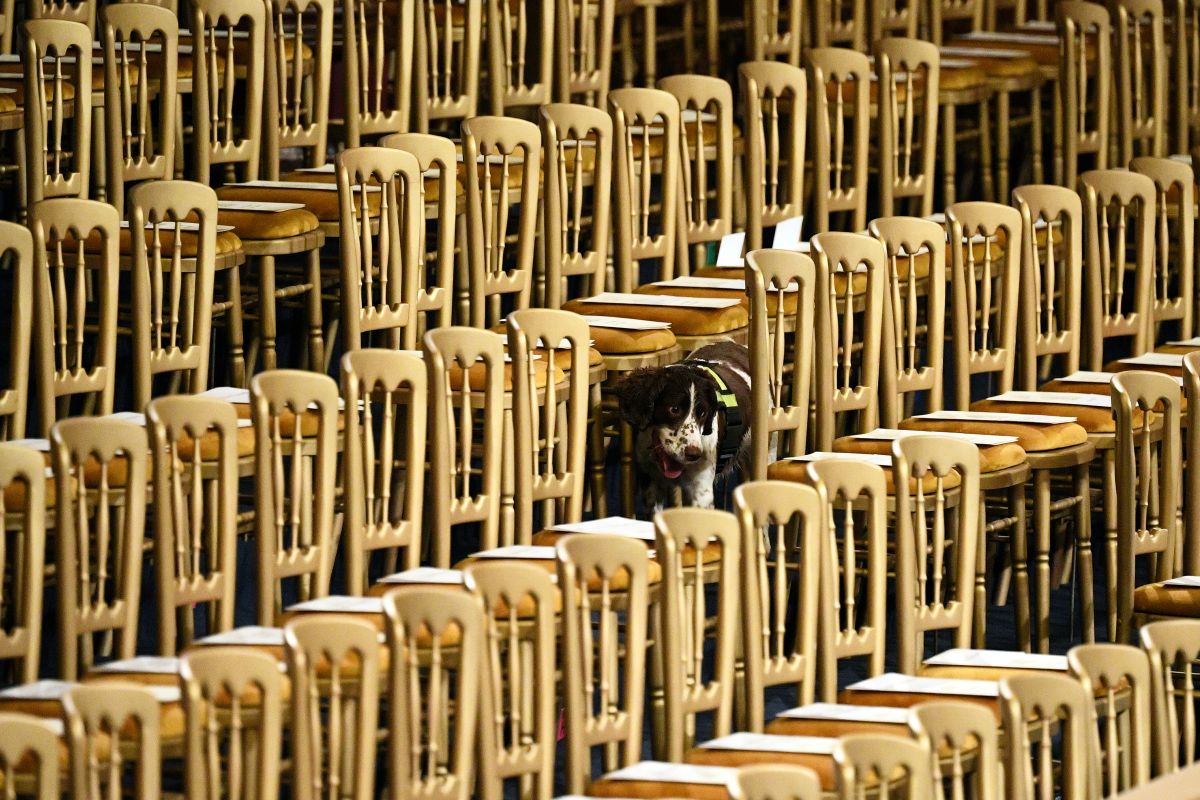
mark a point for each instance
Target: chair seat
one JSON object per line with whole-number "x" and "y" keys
{"x": 310, "y": 421}
{"x": 611, "y": 341}
{"x": 227, "y": 242}
{"x": 477, "y": 376}
{"x": 796, "y": 471}
{"x": 262, "y": 225}
{"x": 618, "y": 582}
{"x": 684, "y": 321}
{"x": 790, "y": 300}
{"x": 991, "y": 459}
{"x": 910, "y": 699}
{"x": 1092, "y": 420}
{"x": 562, "y": 357}
{"x": 1158, "y": 600}
{"x": 688, "y": 129}
{"x": 210, "y": 445}
{"x": 657, "y": 789}
{"x": 1030, "y": 438}
{"x": 817, "y": 762}
{"x": 323, "y": 204}
{"x": 710, "y": 555}
{"x": 14, "y": 82}
{"x": 787, "y": 726}
{"x": 959, "y": 78}
{"x": 170, "y": 721}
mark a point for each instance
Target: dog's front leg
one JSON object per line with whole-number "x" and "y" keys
{"x": 698, "y": 492}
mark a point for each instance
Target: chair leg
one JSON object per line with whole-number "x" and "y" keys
{"x": 1083, "y": 543}
{"x": 267, "y": 322}
{"x": 234, "y": 325}
{"x": 1041, "y": 524}
{"x": 316, "y": 341}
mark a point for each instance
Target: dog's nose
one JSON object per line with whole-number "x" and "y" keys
{"x": 692, "y": 453}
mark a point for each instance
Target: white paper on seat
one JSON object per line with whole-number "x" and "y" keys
{"x": 847, "y": 713}
{"x": 252, "y": 635}
{"x": 729, "y": 254}
{"x": 1013, "y": 38}
{"x": 625, "y": 324}
{"x": 693, "y": 282}
{"x": 690, "y": 114}
{"x": 41, "y": 445}
{"x": 230, "y": 394}
{"x": 132, "y": 47}
{"x": 613, "y": 526}
{"x": 663, "y": 772}
{"x": 495, "y": 158}
{"x": 1087, "y": 376}
{"x": 895, "y": 682}
{"x": 1056, "y": 398}
{"x": 343, "y": 604}
{"x": 144, "y": 665}
{"x": 983, "y": 52}
{"x": 957, "y": 63}
{"x": 324, "y": 169}
{"x": 448, "y": 577}
{"x": 772, "y": 743}
{"x": 256, "y": 205}
{"x": 532, "y": 552}
{"x": 788, "y": 234}
{"x": 996, "y": 416}
{"x": 170, "y": 225}
{"x": 1038, "y": 25}
{"x": 1155, "y": 360}
{"x": 313, "y": 186}
{"x": 668, "y": 300}
{"x": 980, "y": 439}
{"x": 1184, "y": 581}
{"x": 49, "y": 689}
{"x": 165, "y": 694}
{"x": 131, "y": 417}
{"x": 967, "y": 657}
{"x": 877, "y": 459}
{"x": 1195, "y": 340}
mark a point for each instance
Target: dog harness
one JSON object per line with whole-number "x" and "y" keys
{"x": 735, "y": 427}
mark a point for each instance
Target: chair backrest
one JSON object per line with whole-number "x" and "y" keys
{"x": 139, "y": 124}
{"x": 381, "y": 256}
{"x": 1191, "y": 477}
{"x": 936, "y": 541}
{"x": 100, "y": 499}
{"x": 435, "y": 281}
{"x": 776, "y": 97}
{"x": 228, "y": 81}
{"x": 58, "y": 98}
{"x": 1140, "y": 63}
{"x": 1173, "y": 647}
{"x": 706, "y": 164}
{"x": 697, "y": 676}
{"x": 112, "y": 741}
{"x": 985, "y": 276}
{"x": 333, "y": 667}
{"x": 429, "y": 755}
{"x": 841, "y": 104}
{"x": 969, "y": 14}
{"x": 840, "y": 22}
{"x": 1149, "y": 478}
{"x": 882, "y": 760}
{"x": 172, "y": 290}
{"x": 81, "y": 11}
{"x": 781, "y": 353}
{"x": 963, "y": 747}
{"x": 75, "y": 306}
{"x": 29, "y": 752}
{"x": 584, "y": 56}
{"x": 854, "y": 573}
{"x": 1085, "y": 77}
{"x": 1039, "y": 710}
{"x": 496, "y": 150}
{"x": 194, "y": 455}
{"x": 775, "y": 30}
{"x": 646, "y": 149}
{"x": 1118, "y": 676}
{"x": 520, "y": 43}
{"x": 1174, "y": 235}
{"x": 909, "y": 72}
{"x": 578, "y": 144}
{"x": 23, "y": 509}
{"x": 549, "y": 420}
{"x": 775, "y": 782}
{"x": 520, "y": 724}
{"x": 851, "y": 271}
{"x": 383, "y": 460}
{"x": 784, "y": 527}
{"x": 378, "y": 38}
{"x": 1051, "y": 324}
{"x": 446, "y": 61}
{"x": 16, "y": 247}
{"x": 295, "y": 417}
{"x": 466, "y": 395}
{"x": 890, "y": 18}
{"x": 1183, "y": 92}
{"x": 603, "y": 580}
{"x": 232, "y": 699}
{"x": 914, "y": 315}
{"x": 299, "y": 51}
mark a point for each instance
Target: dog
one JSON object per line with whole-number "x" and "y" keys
{"x": 691, "y": 421}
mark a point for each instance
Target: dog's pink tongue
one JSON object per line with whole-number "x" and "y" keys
{"x": 671, "y": 469}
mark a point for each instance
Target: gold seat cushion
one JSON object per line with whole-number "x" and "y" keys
{"x": 617, "y": 583}
{"x": 1042, "y": 54}
{"x": 477, "y": 375}
{"x": 1007, "y": 67}
{"x": 787, "y": 726}
{"x": 227, "y": 242}
{"x": 713, "y": 757}
{"x": 310, "y": 421}
{"x": 1030, "y": 438}
{"x": 991, "y": 459}
{"x": 15, "y": 82}
{"x": 7, "y": 103}
{"x": 710, "y": 555}
{"x": 657, "y": 789}
{"x": 264, "y": 225}
{"x": 684, "y": 321}
{"x": 210, "y": 445}
{"x": 170, "y": 721}
{"x": 958, "y": 78}
{"x": 1092, "y": 420}
{"x": 688, "y": 130}
{"x": 562, "y": 357}
{"x": 323, "y": 204}
{"x": 611, "y": 341}
{"x": 790, "y": 300}
{"x": 1158, "y": 600}
{"x": 796, "y": 471}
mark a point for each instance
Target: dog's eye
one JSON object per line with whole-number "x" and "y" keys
{"x": 675, "y": 411}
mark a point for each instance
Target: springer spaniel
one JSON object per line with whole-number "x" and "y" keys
{"x": 692, "y": 422}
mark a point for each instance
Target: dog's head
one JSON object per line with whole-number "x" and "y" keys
{"x": 678, "y": 406}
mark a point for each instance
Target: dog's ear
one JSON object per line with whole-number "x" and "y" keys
{"x": 637, "y": 393}
{"x": 706, "y": 384}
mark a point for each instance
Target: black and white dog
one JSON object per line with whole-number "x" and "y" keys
{"x": 692, "y": 422}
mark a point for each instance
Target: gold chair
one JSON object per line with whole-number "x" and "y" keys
{"x": 603, "y": 579}
{"x": 784, "y": 527}
{"x": 57, "y": 98}
{"x": 1118, "y": 676}
{"x": 100, "y": 500}
{"x": 866, "y": 759}
{"x": 429, "y": 755}
{"x": 297, "y": 80}
{"x": 967, "y": 733}
{"x": 1140, "y": 63}
{"x": 1174, "y": 258}
{"x": 75, "y": 318}
{"x": 378, "y": 38}
{"x": 775, "y": 782}
{"x": 1084, "y": 87}
{"x": 583, "y": 58}
{"x": 232, "y": 698}
{"x": 383, "y": 465}
{"x": 907, "y": 100}
{"x": 195, "y": 449}
{"x": 22, "y": 506}
{"x": 1037, "y": 710}
{"x": 112, "y": 735}
{"x": 1173, "y": 647}
{"x": 776, "y": 31}
{"x": 30, "y": 738}
{"x": 333, "y": 667}
{"x": 16, "y": 244}
{"x": 520, "y": 43}
{"x": 446, "y": 62}
{"x": 776, "y": 97}
{"x": 296, "y": 427}
{"x": 1183, "y": 99}
{"x": 841, "y": 98}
